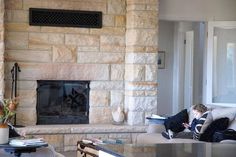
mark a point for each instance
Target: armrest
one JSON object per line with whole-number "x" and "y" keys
{"x": 155, "y": 128}
{"x": 228, "y": 141}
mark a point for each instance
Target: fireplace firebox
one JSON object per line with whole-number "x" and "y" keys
{"x": 62, "y": 102}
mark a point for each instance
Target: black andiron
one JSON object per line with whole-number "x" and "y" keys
{"x": 14, "y": 73}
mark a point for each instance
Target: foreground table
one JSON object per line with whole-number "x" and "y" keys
{"x": 18, "y": 150}
{"x": 158, "y": 150}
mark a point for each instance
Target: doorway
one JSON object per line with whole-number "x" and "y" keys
{"x": 180, "y": 82}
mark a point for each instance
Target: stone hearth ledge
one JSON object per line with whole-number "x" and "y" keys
{"x": 81, "y": 129}
{"x": 65, "y": 137}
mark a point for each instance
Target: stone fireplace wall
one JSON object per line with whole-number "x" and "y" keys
{"x": 119, "y": 59}
{"x": 1, "y": 49}
{"x": 141, "y": 60}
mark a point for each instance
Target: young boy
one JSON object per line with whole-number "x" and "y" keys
{"x": 198, "y": 111}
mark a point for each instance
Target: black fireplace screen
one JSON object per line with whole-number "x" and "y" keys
{"x": 62, "y": 102}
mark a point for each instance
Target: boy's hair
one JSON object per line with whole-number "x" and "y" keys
{"x": 200, "y": 107}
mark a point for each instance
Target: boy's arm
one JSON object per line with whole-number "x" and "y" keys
{"x": 193, "y": 124}
{"x": 186, "y": 125}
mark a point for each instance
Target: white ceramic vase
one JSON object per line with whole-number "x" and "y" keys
{"x": 118, "y": 115}
{"x": 4, "y": 134}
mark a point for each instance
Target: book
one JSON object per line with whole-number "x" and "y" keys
{"x": 156, "y": 119}
{"x": 154, "y": 116}
{"x": 27, "y": 142}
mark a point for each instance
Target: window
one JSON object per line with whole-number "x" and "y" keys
{"x": 221, "y": 64}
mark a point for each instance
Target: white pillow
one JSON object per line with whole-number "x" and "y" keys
{"x": 224, "y": 112}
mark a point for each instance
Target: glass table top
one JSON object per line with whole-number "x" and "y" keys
{"x": 170, "y": 150}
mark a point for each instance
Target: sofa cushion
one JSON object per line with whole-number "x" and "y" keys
{"x": 158, "y": 138}
{"x": 216, "y": 125}
{"x": 224, "y": 112}
{"x": 174, "y": 123}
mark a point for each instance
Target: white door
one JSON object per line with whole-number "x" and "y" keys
{"x": 188, "y": 72}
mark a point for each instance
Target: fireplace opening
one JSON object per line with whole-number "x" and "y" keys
{"x": 62, "y": 102}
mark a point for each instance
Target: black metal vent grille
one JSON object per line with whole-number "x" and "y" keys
{"x": 65, "y": 18}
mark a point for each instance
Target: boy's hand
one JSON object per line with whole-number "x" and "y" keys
{"x": 186, "y": 125}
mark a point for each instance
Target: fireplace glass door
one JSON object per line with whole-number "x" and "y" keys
{"x": 62, "y": 102}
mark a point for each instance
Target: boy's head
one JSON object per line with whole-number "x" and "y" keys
{"x": 198, "y": 110}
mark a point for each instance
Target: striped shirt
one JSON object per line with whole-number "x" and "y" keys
{"x": 198, "y": 127}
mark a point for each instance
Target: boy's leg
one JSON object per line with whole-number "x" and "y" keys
{"x": 168, "y": 134}
{"x": 185, "y": 135}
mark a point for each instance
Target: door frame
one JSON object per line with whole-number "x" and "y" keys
{"x": 188, "y": 72}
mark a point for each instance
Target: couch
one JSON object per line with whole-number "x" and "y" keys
{"x": 154, "y": 131}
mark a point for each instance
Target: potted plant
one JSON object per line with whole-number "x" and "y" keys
{"x": 7, "y": 111}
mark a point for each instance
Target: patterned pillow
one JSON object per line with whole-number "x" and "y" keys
{"x": 201, "y": 121}
{"x": 209, "y": 120}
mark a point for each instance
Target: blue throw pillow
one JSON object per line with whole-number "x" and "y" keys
{"x": 175, "y": 123}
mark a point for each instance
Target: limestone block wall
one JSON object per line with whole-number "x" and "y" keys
{"x": 141, "y": 60}
{"x": 119, "y": 59}
{"x": 1, "y": 48}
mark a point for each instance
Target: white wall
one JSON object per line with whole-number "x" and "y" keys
{"x": 198, "y": 10}
{"x": 165, "y": 76}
